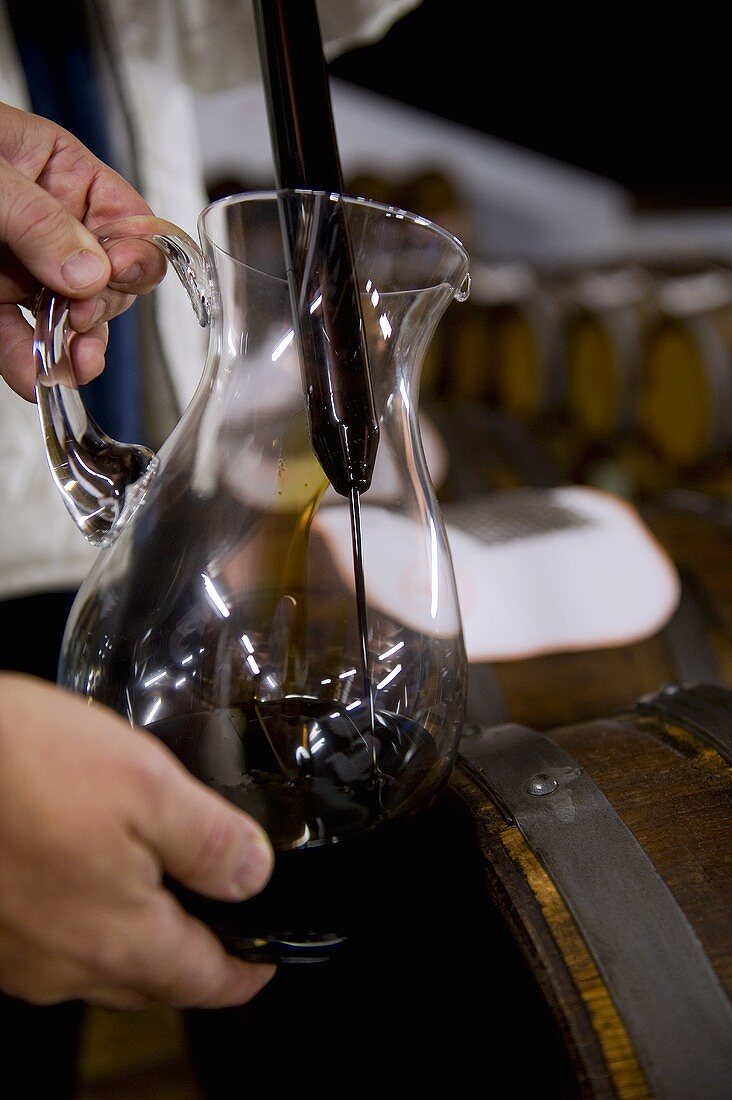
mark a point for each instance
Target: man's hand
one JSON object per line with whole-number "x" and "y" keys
{"x": 53, "y": 194}
{"x": 92, "y": 815}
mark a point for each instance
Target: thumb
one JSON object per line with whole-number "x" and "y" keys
{"x": 48, "y": 240}
{"x": 203, "y": 841}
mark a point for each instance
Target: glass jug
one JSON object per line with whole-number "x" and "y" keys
{"x": 221, "y": 613}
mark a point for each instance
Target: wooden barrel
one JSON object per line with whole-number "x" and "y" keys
{"x": 608, "y": 848}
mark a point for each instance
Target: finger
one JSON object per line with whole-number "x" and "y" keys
{"x": 143, "y": 268}
{"x": 158, "y": 953}
{"x": 202, "y": 840}
{"x": 45, "y": 977}
{"x": 137, "y": 268}
{"x": 242, "y": 982}
{"x": 16, "y": 352}
{"x": 185, "y": 965}
{"x": 55, "y": 247}
{"x": 138, "y": 265}
{"x": 86, "y": 312}
{"x": 87, "y": 353}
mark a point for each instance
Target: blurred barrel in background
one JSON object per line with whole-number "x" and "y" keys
{"x": 605, "y": 351}
{"x": 467, "y": 345}
{"x": 686, "y": 408}
{"x": 529, "y": 334}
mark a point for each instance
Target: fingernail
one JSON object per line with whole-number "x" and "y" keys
{"x": 82, "y": 268}
{"x": 131, "y": 274}
{"x": 250, "y": 875}
{"x": 99, "y": 312}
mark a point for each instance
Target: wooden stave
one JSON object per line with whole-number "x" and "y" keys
{"x": 605, "y": 1060}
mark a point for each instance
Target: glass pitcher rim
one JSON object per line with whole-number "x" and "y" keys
{"x": 272, "y": 193}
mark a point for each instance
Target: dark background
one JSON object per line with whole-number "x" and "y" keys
{"x": 641, "y": 98}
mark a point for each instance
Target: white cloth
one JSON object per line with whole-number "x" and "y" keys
{"x": 537, "y": 571}
{"x": 594, "y": 577}
{"x": 166, "y": 52}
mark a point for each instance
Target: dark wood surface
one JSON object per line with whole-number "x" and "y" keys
{"x": 675, "y": 795}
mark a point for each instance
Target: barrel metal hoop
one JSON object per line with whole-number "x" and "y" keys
{"x": 670, "y": 999}
{"x": 705, "y": 709}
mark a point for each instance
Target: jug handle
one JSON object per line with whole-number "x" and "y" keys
{"x": 101, "y": 480}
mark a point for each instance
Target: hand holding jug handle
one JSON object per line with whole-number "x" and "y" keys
{"x": 101, "y": 480}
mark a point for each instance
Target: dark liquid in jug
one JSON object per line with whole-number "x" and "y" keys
{"x": 318, "y": 778}
{"x": 307, "y": 770}
{"x": 325, "y": 779}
